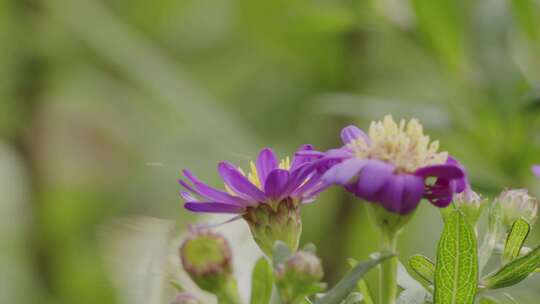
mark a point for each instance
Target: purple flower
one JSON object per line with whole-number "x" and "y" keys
{"x": 536, "y": 170}
{"x": 395, "y": 166}
{"x": 268, "y": 181}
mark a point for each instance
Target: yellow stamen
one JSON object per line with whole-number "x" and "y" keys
{"x": 404, "y": 145}
{"x": 285, "y": 163}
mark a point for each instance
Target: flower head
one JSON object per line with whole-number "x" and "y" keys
{"x": 471, "y": 204}
{"x": 206, "y": 257}
{"x": 268, "y": 197}
{"x": 392, "y": 166}
{"x": 299, "y": 276}
{"x": 515, "y": 204}
{"x": 205, "y": 253}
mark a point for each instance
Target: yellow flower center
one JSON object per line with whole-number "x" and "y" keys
{"x": 404, "y": 145}
{"x": 253, "y": 175}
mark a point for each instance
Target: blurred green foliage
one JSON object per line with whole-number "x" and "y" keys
{"x": 103, "y": 102}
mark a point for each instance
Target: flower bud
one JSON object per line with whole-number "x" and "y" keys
{"x": 515, "y": 204}
{"x": 185, "y": 298}
{"x": 300, "y": 273}
{"x": 471, "y": 204}
{"x": 206, "y": 257}
{"x": 279, "y": 221}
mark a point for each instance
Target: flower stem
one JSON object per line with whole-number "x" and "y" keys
{"x": 388, "y": 270}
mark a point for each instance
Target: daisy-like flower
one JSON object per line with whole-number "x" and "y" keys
{"x": 394, "y": 165}
{"x": 268, "y": 197}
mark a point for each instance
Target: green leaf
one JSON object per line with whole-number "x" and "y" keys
{"x": 514, "y": 241}
{"x": 423, "y": 269}
{"x": 281, "y": 252}
{"x": 262, "y": 282}
{"x": 515, "y": 271}
{"x": 348, "y": 283}
{"x": 456, "y": 271}
{"x": 365, "y": 291}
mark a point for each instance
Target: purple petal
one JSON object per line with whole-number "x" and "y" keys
{"x": 188, "y": 197}
{"x": 536, "y": 170}
{"x": 239, "y": 183}
{"x": 266, "y": 162}
{"x": 276, "y": 184}
{"x": 352, "y": 133}
{"x": 213, "y": 207}
{"x": 413, "y": 193}
{"x": 343, "y": 172}
{"x": 391, "y": 194}
{"x": 441, "y": 193}
{"x": 308, "y": 185}
{"x": 211, "y": 193}
{"x": 446, "y": 171}
{"x": 299, "y": 159}
{"x": 372, "y": 177}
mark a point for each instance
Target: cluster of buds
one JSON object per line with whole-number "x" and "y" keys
{"x": 185, "y": 298}
{"x": 298, "y": 276}
{"x": 471, "y": 204}
{"x": 515, "y": 204}
{"x": 275, "y": 221}
{"x": 206, "y": 257}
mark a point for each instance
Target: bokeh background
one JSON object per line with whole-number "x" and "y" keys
{"x": 103, "y": 102}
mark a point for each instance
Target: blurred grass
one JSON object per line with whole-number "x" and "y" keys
{"x": 103, "y": 102}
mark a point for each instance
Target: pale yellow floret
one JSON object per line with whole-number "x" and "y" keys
{"x": 285, "y": 163}
{"x": 253, "y": 175}
{"x": 404, "y": 145}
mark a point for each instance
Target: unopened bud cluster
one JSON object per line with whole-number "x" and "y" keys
{"x": 206, "y": 257}
{"x": 299, "y": 274}
{"x": 471, "y": 204}
{"x": 515, "y": 204}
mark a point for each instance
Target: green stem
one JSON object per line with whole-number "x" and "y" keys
{"x": 388, "y": 273}
{"x": 229, "y": 294}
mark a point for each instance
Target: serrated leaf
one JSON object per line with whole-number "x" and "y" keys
{"x": 262, "y": 282}
{"x": 423, "y": 269}
{"x": 348, "y": 283}
{"x": 280, "y": 252}
{"x": 456, "y": 271}
{"x": 516, "y": 238}
{"x": 515, "y": 271}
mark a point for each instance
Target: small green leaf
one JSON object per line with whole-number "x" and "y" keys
{"x": 516, "y": 238}
{"x": 262, "y": 282}
{"x": 281, "y": 252}
{"x": 423, "y": 269}
{"x": 456, "y": 271}
{"x": 515, "y": 271}
{"x": 348, "y": 283}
